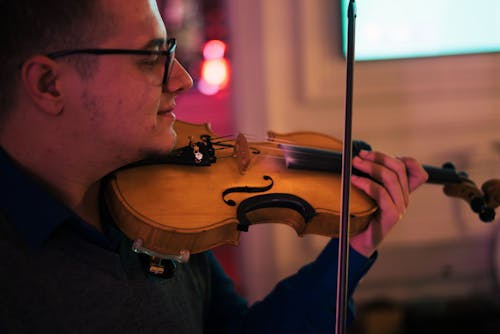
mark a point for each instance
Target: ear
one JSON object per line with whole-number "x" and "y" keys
{"x": 41, "y": 79}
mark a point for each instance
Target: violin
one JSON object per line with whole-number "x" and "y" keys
{"x": 210, "y": 188}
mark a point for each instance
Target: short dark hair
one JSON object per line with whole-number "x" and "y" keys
{"x": 30, "y": 27}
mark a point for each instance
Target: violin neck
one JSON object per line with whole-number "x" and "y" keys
{"x": 445, "y": 175}
{"x": 307, "y": 158}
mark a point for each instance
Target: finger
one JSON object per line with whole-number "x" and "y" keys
{"x": 416, "y": 173}
{"x": 395, "y": 164}
{"x": 389, "y": 211}
{"x": 388, "y": 171}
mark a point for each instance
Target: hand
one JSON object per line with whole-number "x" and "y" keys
{"x": 395, "y": 179}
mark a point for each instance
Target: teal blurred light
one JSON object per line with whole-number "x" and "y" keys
{"x": 394, "y": 29}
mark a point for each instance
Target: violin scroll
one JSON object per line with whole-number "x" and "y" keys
{"x": 491, "y": 190}
{"x": 482, "y": 201}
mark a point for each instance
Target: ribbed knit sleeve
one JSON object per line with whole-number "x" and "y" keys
{"x": 302, "y": 303}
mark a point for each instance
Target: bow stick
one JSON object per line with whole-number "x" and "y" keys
{"x": 343, "y": 259}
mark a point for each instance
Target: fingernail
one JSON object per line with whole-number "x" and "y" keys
{"x": 363, "y": 153}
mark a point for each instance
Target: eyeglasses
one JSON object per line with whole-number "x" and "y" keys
{"x": 169, "y": 54}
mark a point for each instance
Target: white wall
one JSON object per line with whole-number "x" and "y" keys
{"x": 289, "y": 75}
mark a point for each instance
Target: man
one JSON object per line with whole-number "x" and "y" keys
{"x": 88, "y": 87}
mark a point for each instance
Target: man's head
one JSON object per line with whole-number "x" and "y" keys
{"x": 30, "y": 27}
{"x": 105, "y": 107}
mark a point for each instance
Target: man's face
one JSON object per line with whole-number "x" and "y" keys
{"x": 123, "y": 111}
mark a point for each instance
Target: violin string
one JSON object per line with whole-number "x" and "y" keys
{"x": 278, "y": 153}
{"x": 270, "y": 152}
{"x": 319, "y": 153}
{"x": 228, "y": 138}
{"x": 232, "y": 136}
{"x": 224, "y": 136}
{"x": 222, "y": 141}
{"x": 268, "y": 156}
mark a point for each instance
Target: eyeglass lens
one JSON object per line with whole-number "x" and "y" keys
{"x": 169, "y": 60}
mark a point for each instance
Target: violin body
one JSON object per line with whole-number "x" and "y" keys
{"x": 174, "y": 207}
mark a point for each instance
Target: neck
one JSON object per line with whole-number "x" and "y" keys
{"x": 76, "y": 184}
{"x": 78, "y": 194}
{"x": 86, "y": 205}
{"x": 67, "y": 164}
{"x": 82, "y": 197}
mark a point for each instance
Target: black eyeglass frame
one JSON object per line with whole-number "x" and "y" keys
{"x": 169, "y": 54}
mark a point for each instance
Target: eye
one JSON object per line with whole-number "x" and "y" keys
{"x": 153, "y": 58}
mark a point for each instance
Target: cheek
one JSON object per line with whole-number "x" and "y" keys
{"x": 125, "y": 119}
{"x": 135, "y": 106}
{"x": 119, "y": 115}
{"x": 137, "y": 121}
{"x": 142, "y": 106}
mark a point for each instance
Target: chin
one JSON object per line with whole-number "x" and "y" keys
{"x": 167, "y": 144}
{"x": 172, "y": 139}
{"x": 159, "y": 145}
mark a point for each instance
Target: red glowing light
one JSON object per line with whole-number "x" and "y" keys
{"x": 214, "y": 49}
{"x": 215, "y": 72}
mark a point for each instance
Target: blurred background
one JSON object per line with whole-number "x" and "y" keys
{"x": 426, "y": 85}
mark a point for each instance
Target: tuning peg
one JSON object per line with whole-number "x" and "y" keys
{"x": 487, "y": 216}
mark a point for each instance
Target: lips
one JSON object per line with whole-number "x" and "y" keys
{"x": 167, "y": 110}
{"x": 164, "y": 112}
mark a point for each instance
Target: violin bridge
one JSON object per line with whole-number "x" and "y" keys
{"x": 242, "y": 153}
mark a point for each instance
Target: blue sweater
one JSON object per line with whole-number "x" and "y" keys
{"x": 60, "y": 275}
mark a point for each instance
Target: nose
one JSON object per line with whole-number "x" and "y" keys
{"x": 179, "y": 79}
